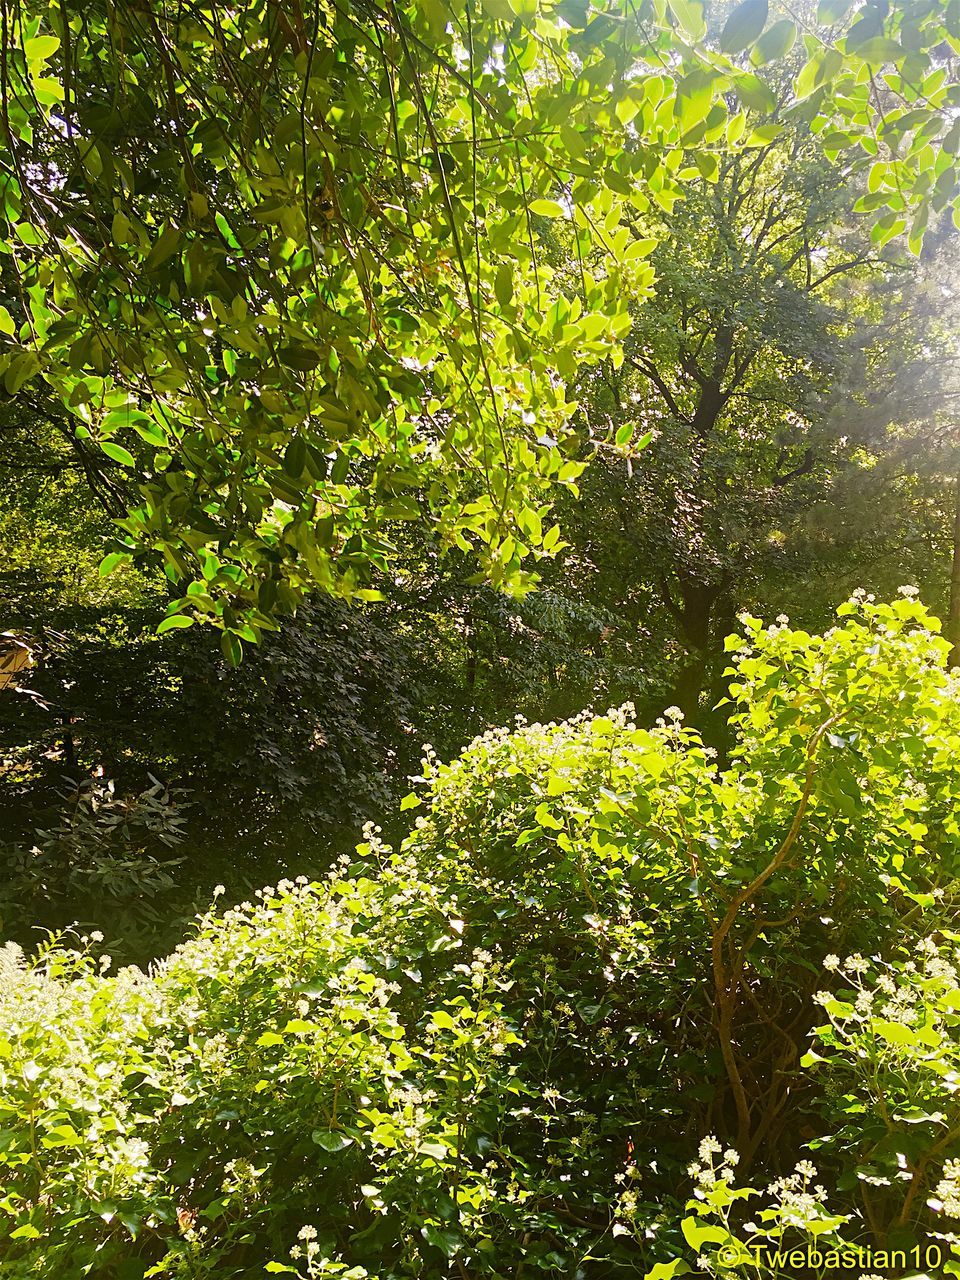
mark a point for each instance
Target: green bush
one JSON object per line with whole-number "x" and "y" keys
{"x": 889, "y": 1059}
{"x": 685, "y": 907}
{"x": 495, "y": 1049}
{"x": 269, "y": 1076}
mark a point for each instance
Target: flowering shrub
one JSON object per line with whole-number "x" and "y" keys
{"x": 889, "y": 1065}
{"x": 81, "y": 1085}
{"x": 492, "y": 1050}
{"x": 795, "y": 1212}
{"x": 312, "y": 1092}
{"x": 626, "y": 877}
{"x": 789, "y": 1229}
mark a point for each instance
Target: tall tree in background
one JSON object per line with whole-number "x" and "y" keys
{"x": 761, "y": 306}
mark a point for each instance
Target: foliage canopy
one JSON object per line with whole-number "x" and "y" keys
{"x": 281, "y": 266}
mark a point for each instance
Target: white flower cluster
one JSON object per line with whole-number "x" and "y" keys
{"x": 947, "y": 1192}
{"x": 800, "y": 1203}
{"x": 707, "y": 1172}
{"x": 909, "y": 990}
{"x": 482, "y": 971}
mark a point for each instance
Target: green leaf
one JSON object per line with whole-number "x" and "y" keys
{"x": 436, "y": 1150}
{"x": 573, "y": 141}
{"x": 707, "y": 164}
{"x": 743, "y": 26}
{"x": 697, "y": 1235}
{"x": 503, "y": 286}
{"x": 175, "y": 622}
{"x": 819, "y": 70}
{"x": 499, "y": 10}
{"x": 117, "y": 452}
{"x": 754, "y": 94}
{"x": 879, "y": 50}
{"x": 62, "y": 1135}
{"x": 150, "y": 432}
{"x": 110, "y": 562}
{"x": 695, "y": 93}
{"x": 668, "y": 1270}
{"x": 120, "y": 228}
{"x": 331, "y": 1140}
{"x": 128, "y": 416}
{"x": 23, "y": 366}
{"x": 545, "y": 818}
{"x": 232, "y": 648}
{"x": 27, "y": 1232}
{"x": 689, "y": 14}
{"x": 764, "y": 135}
{"x": 775, "y": 43}
{"x": 447, "y": 1241}
{"x": 547, "y": 208}
{"x": 28, "y": 234}
{"x": 644, "y": 247}
{"x": 6, "y": 322}
{"x": 40, "y": 48}
{"x": 831, "y": 11}
{"x": 295, "y": 457}
{"x": 164, "y": 247}
{"x": 895, "y": 1033}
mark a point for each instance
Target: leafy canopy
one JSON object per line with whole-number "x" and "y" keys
{"x": 282, "y": 263}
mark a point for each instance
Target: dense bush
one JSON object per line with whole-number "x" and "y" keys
{"x": 630, "y": 876}
{"x": 496, "y": 1049}
{"x": 271, "y": 1075}
{"x": 109, "y": 856}
{"x": 314, "y": 734}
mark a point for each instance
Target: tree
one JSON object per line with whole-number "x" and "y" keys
{"x": 752, "y": 370}
{"x": 281, "y": 265}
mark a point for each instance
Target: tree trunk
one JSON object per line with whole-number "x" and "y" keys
{"x": 693, "y": 613}
{"x": 953, "y": 614}
{"x": 689, "y": 685}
